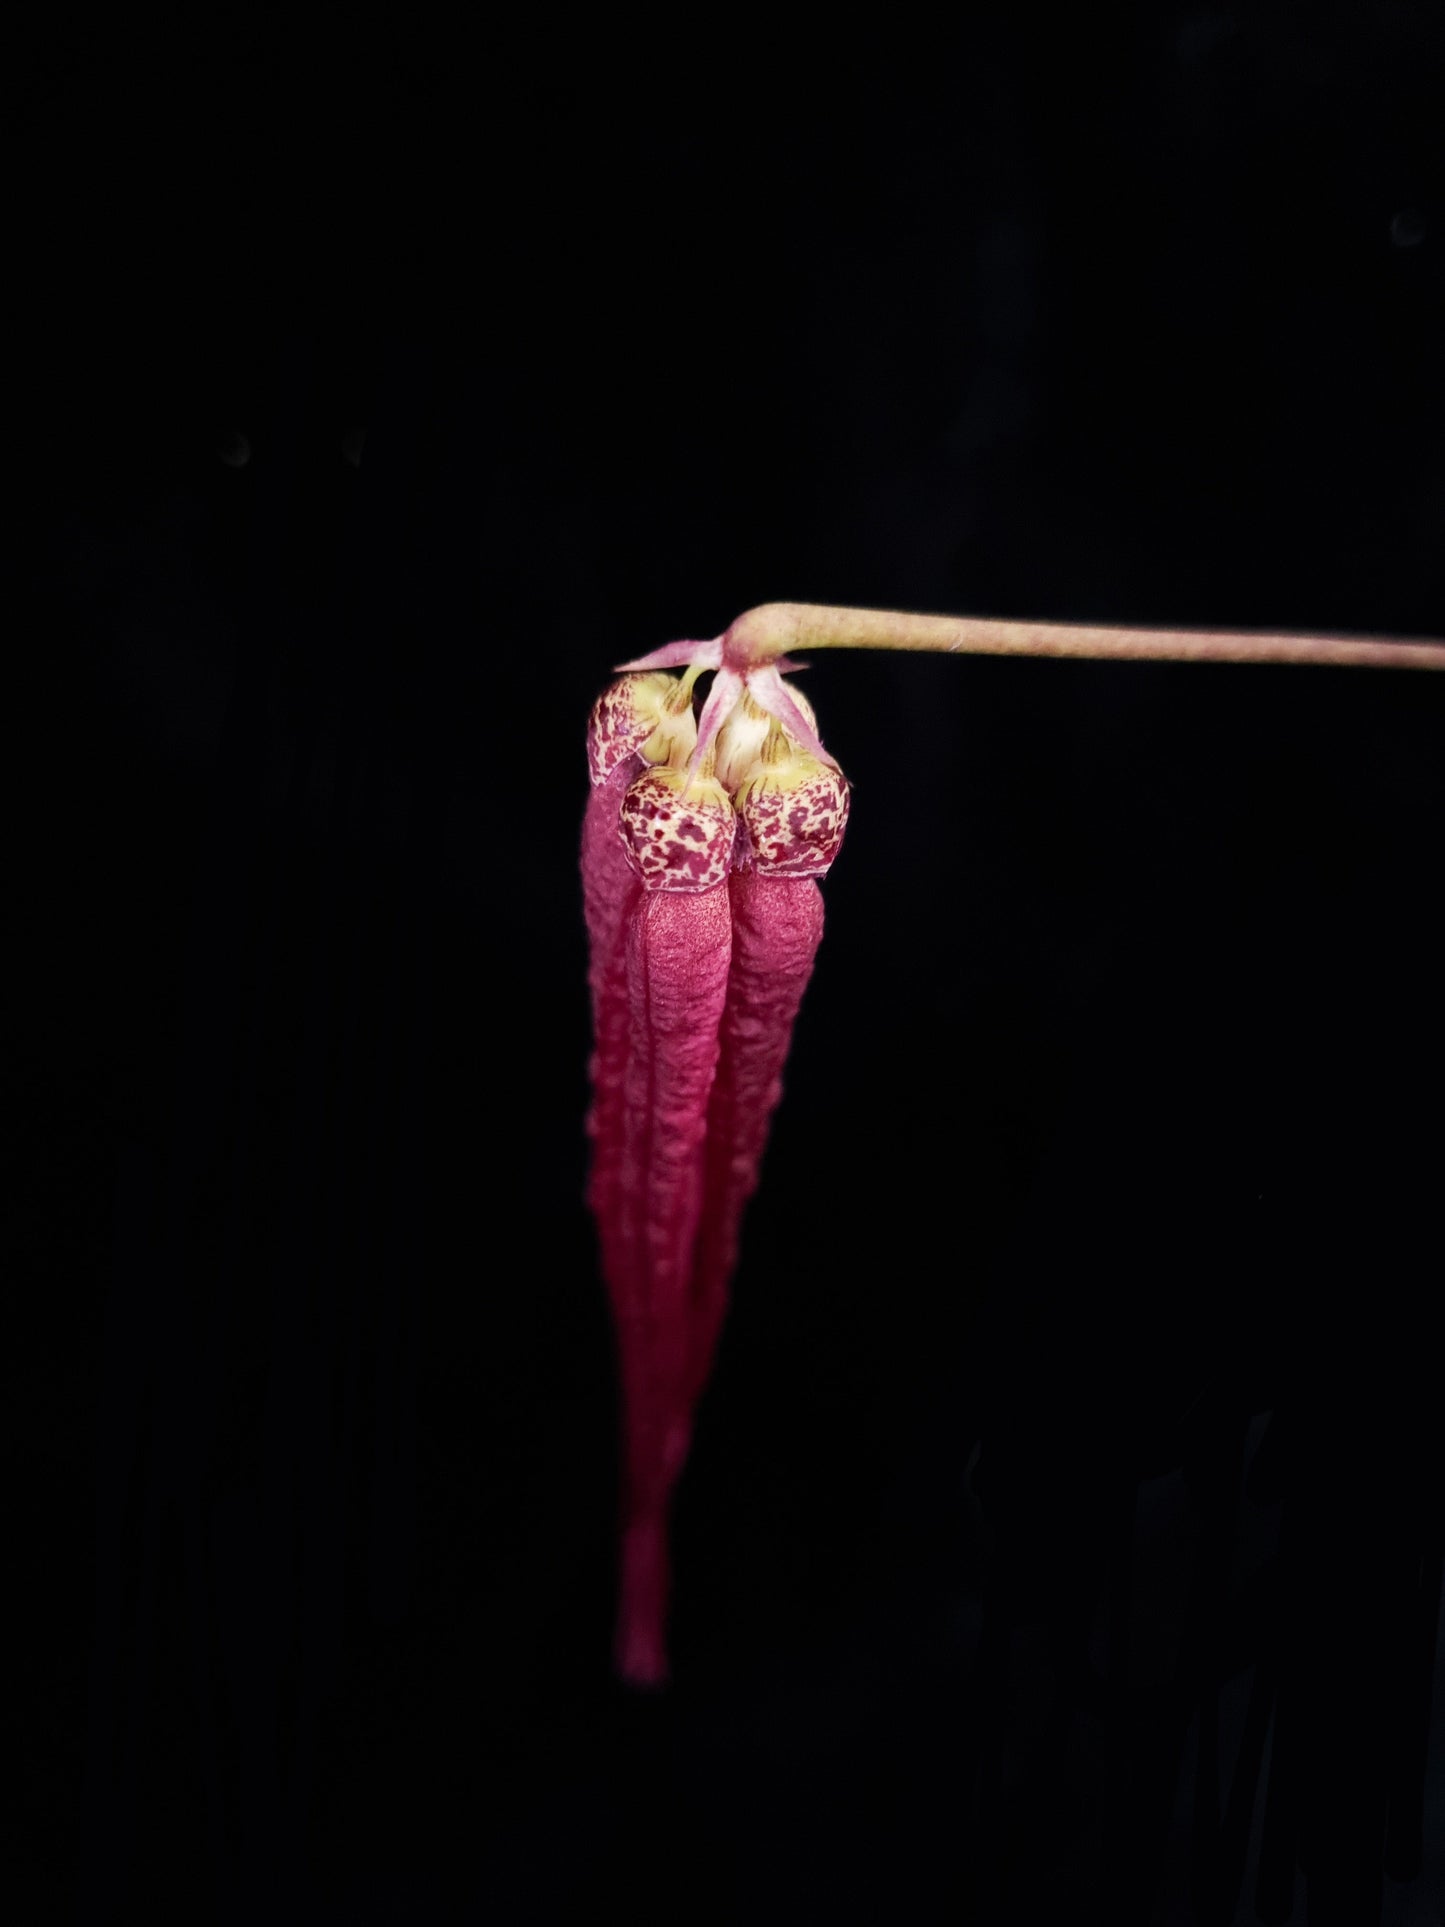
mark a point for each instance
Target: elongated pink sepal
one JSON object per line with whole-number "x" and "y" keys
{"x": 680, "y": 655}
{"x": 678, "y": 954}
{"x": 703, "y": 917}
{"x": 791, "y": 822}
{"x": 777, "y": 927}
{"x": 644, "y": 1586}
{"x": 610, "y": 892}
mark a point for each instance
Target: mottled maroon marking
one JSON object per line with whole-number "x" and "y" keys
{"x": 674, "y": 842}
{"x": 794, "y": 828}
{"x": 622, "y": 719}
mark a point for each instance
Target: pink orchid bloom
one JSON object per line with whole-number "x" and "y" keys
{"x": 701, "y": 848}
{"x": 738, "y": 671}
{"x": 702, "y": 845}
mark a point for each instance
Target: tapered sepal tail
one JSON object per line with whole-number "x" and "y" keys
{"x": 701, "y": 847}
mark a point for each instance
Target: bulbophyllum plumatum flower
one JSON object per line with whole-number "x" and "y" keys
{"x": 701, "y": 850}
{"x": 702, "y": 847}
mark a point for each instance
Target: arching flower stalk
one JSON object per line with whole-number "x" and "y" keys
{"x": 761, "y": 637}
{"x": 701, "y": 850}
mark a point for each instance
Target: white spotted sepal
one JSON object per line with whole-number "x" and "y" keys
{"x": 792, "y": 810}
{"x": 677, "y": 828}
{"x": 639, "y": 715}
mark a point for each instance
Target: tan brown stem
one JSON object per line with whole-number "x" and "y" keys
{"x": 774, "y": 629}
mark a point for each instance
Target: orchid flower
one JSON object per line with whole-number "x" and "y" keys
{"x": 702, "y": 847}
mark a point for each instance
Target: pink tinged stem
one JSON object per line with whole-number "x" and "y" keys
{"x": 623, "y": 718}
{"x": 636, "y": 719}
{"x": 764, "y": 634}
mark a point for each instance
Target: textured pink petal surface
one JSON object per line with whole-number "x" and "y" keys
{"x": 679, "y": 947}
{"x": 777, "y": 925}
{"x": 609, "y": 892}
{"x": 675, "y": 837}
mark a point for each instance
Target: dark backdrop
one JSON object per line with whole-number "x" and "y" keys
{"x": 1064, "y": 1523}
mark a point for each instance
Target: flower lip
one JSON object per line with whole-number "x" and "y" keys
{"x": 677, "y": 831}
{"x": 793, "y": 815}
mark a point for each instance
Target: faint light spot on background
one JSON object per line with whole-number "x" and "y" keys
{"x": 1199, "y": 34}
{"x": 1407, "y": 229}
{"x": 233, "y": 449}
{"x": 352, "y": 443}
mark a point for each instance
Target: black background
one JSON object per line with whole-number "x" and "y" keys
{"x": 1111, "y": 1136}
